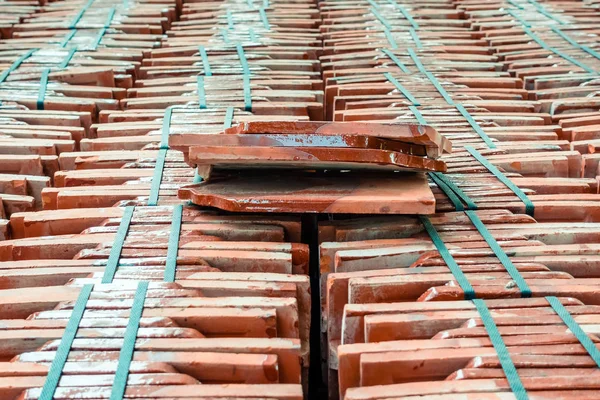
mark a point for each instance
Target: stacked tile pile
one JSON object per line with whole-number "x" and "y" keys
{"x": 139, "y": 294}
{"x": 435, "y": 238}
{"x": 512, "y": 85}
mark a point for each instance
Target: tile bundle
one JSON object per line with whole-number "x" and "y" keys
{"x": 268, "y": 199}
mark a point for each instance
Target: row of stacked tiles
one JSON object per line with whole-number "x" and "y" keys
{"x": 87, "y": 90}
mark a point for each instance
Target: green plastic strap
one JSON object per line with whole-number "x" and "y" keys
{"x": 104, "y": 29}
{"x": 529, "y": 207}
{"x": 157, "y": 177}
{"x": 43, "y": 88}
{"x": 519, "y": 19}
{"x": 458, "y": 274}
{"x": 201, "y": 92}
{"x": 559, "y": 53}
{"x": 225, "y": 35}
{"x": 115, "y": 252}
{"x": 243, "y": 60}
{"x": 373, "y": 4}
{"x": 79, "y": 15}
{"x": 575, "y": 329}
{"x": 197, "y": 177}
{"x": 229, "y": 20}
{"x": 456, "y": 195}
{"x": 438, "y": 86}
{"x": 166, "y": 128}
{"x": 396, "y": 60}
{"x": 68, "y": 58}
{"x": 68, "y": 38}
{"x": 545, "y": 12}
{"x": 514, "y": 381}
{"x": 381, "y": 19}
{"x": 62, "y": 352}
{"x": 205, "y": 63}
{"x": 228, "y": 118}
{"x": 416, "y": 60}
{"x": 247, "y": 93}
{"x": 448, "y": 192}
{"x": 420, "y": 119}
{"x": 574, "y": 43}
{"x": 265, "y": 3}
{"x": 173, "y": 248}
{"x": 263, "y": 18}
{"x": 415, "y": 38}
{"x": 16, "y": 64}
{"x": 126, "y": 354}
{"x": 407, "y": 15}
{"x": 514, "y": 4}
{"x": 500, "y": 254}
{"x": 390, "y": 38}
{"x": 476, "y": 127}
{"x": 252, "y": 35}
{"x": 402, "y": 89}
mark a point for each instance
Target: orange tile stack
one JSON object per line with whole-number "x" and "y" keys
{"x": 267, "y": 199}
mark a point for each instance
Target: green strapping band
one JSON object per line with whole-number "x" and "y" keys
{"x": 512, "y": 3}
{"x": 500, "y": 254}
{"x": 68, "y": 58}
{"x": 381, "y": 19}
{"x": 420, "y": 119}
{"x": 225, "y": 35}
{"x": 390, "y": 38}
{"x": 62, "y": 352}
{"x": 529, "y": 207}
{"x": 373, "y": 4}
{"x": 456, "y": 195}
{"x": 265, "y": 3}
{"x": 438, "y": 86}
{"x": 252, "y": 35}
{"x": 415, "y": 38}
{"x": 126, "y": 353}
{"x": 407, "y": 15}
{"x": 405, "y": 92}
{"x": 42, "y": 90}
{"x": 243, "y": 60}
{"x": 396, "y": 60}
{"x": 574, "y": 43}
{"x": 205, "y": 63}
{"x": 263, "y": 18}
{"x": 173, "y": 248}
{"x": 79, "y": 15}
{"x": 68, "y": 38}
{"x": 545, "y": 12}
{"x": 115, "y": 252}
{"x": 476, "y": 127}
{"x": 166, "y": 128}
{"x": 157, "y": 177}
{"x": 519, "y": 19}
{"x": 458, "y": 274}
{"x": 514, "y": 381}
{"x": 104, "y": 29}
{"x": 16, "y": 64}
{"x": 201, "y": 92}
{"x": 575, "y": 329}
{"x": 197, "y": 177}
{"x": 247, "y": 93}
{"x": 559, "y": 53}
{"x": 229, "y": 20}
{"x": 228, "y": 118}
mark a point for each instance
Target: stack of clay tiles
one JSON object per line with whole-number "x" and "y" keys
{"x": 483, "y": 299}
{"x": 476, "y": 278}
{"x": 115, "y": 288}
